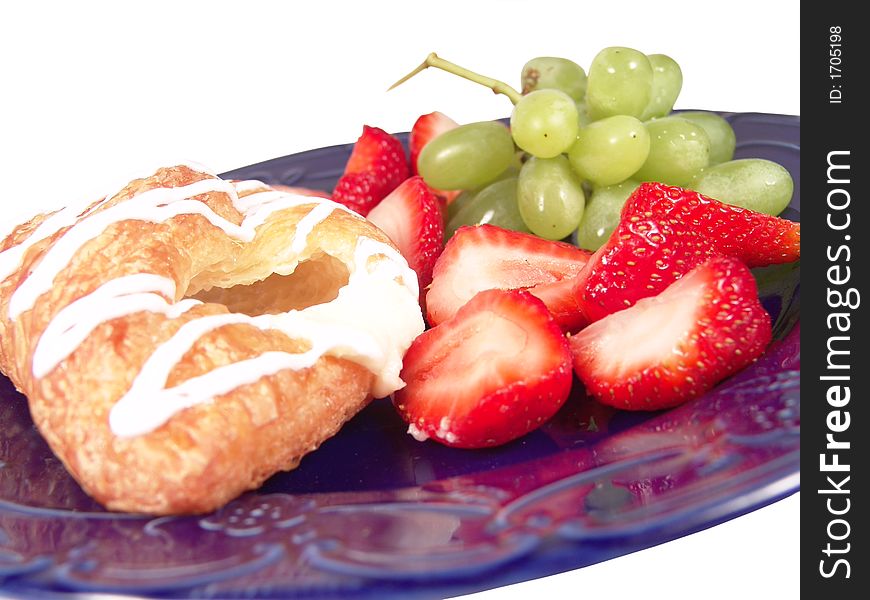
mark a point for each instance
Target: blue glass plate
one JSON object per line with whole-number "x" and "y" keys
{"x": 376, "y": 514}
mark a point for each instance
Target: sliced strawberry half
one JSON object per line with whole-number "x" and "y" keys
{"x": 675, "y": 346}
{"x": 666, "y": 231}
{"x": 377, "y": 165}
{"x": 488, "y": 257}
{"x": 497, "y": 370}
{"x": 755, "y": 238}
{"x": 411, "y": 217}
{"x": 425, "y": 129}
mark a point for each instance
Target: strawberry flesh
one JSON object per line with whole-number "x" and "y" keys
{"x": 488, "y": 257}
{"x": 495, "y": 371}
{"x": 411, "y": 217}
{"x": 675, "y": 346}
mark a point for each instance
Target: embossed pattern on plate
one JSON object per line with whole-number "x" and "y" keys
{"x": 374, "y": 513}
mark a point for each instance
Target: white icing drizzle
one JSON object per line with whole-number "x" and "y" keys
{"x": 129, "y": 417}
{"x": 257, "y": 207}
{"x": 148, "y": 404}
{"x": 306, "y": 225}
{"x": 145, "y": 171}
{"x": 155, "y": 205}
{"x": 256, "y": 213}
{"x": 354, "y": 325}
{"x": 115, "y": 298}
{"x": 251, "y": 202}
{"x": 10, "y": 258}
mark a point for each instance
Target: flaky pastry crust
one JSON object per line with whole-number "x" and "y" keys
{"x": 207, "y": 454}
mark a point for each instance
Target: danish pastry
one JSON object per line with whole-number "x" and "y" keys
{"x": 187, "y": 337}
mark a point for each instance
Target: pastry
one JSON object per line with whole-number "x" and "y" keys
{"x": 185, "y": 338}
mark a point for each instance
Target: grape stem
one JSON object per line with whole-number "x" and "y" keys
{"x": 433, "y": 60}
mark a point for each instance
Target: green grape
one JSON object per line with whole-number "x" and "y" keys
{"x": 583, "y": 114}
{"x": 495, "y": 204}
{"x": 610, "y": 150}
{"x": 544, "y": 123}
{"x": 754, "y": 183}
{"x": 468, "y": 195}
{"x": 678, "y": 149}
{"x": 666, "y": 85}
{"x": 548, "y": 72}
{"x": 463, "y": 199}
{"x": 602, "y": 214}
{"x": 466, "y": 157}
{"x": 620, "y": 83}
{"x": 720, "y": 132}
{"x": 550, "y": 197}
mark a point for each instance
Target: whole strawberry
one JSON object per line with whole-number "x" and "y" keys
{"x": 377, "y": 165}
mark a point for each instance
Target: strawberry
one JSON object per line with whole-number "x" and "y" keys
{"x": 377, "y": 165}
{"x": 360, "y": 192}
{"x": 643, "y": 256}
{"x": 666, "y": 231}
{"x": 755, "y": 238}
{"x": 675, "y": 346}
{"x": 411, "y": 217}
{"x": 379, "y": 152}
{"x": 485, "y": 256}
{"x": 426, "y": 129}
{"x": 515, "y": 368}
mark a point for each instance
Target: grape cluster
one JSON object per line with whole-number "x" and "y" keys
{"x": 579, "y": 145}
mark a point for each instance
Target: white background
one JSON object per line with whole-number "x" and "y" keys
{"x": 91, "y": 91}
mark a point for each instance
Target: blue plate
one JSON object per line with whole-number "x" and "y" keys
{"x": 375, "y": 514}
